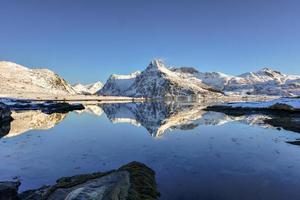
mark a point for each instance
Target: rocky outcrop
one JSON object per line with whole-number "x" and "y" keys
{"x": 9, "y": 190}
{"x": 134, "y": 181}
{"x": 280, "y": 113}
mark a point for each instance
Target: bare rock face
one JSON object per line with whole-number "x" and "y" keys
{"x": 134, "y": 181}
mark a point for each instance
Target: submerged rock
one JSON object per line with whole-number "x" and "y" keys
{"x": 9, "y": 190}
{"x": 134, "y": 181}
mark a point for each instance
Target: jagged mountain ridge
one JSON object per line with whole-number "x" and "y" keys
{"x": 158, "y": 81}
{"x": 262, "y": 82}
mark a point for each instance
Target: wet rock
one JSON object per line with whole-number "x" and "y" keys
{"x": 48, "y": 107}
{"x": 296, "y": 142}
{"x": 281, "y": 106}
{"x": 5, "y": 113}
{"x": 61, "y": 107}
{"x": 281, "y": 116}
{"x": 134, "y": 181}
{"x": 9, "y": 190}
{"x": 290, "y": 123}
{"x": 5, "y": 119}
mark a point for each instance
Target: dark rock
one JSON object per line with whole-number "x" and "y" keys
{"x": 48, "y": 107}
{"x": 61, "y": 107}
{"x": 281, "y": 106}
{"x": 9, "y": 190}
{"x": 296, "y": 142}
{"x": 290, "y": 123}
{"x": 5, "y": 113}
{"x": 5, "y": 119}
{"x": 134, "y": 181}
{"x": 281, "y": 115}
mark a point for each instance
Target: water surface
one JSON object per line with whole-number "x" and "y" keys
{"x": 196, "y": 154}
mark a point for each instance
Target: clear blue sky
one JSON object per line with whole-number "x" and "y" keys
{"x": 88, "y": 40}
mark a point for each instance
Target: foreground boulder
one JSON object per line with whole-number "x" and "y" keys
{"x": 134, "y": 181}
{"x": 9, "y": 190}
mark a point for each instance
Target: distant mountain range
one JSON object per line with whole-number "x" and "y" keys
{"x": 156, "y": 81}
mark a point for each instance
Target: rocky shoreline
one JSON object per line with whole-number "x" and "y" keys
{"x": 133, "y": 181}
{"x": 282, "y": 114}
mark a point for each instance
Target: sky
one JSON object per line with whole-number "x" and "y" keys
{"x": 86, "y": 40}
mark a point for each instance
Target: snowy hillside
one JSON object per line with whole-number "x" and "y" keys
{"x": 87, "y": 89}
{"x": 157, "y": 81}
{"x": 15, "y": 78}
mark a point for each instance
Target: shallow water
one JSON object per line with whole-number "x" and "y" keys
{"x": 195, "y": 154}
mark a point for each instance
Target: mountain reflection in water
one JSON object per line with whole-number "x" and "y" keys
{"x": 156, "y": 117}
{"x": 199, "y": 154}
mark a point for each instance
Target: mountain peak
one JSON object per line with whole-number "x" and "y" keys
{"x": 156, "y": 64}
{"x": 269, "y": 71}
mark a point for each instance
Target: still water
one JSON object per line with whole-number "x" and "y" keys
{"x": 196, "y": 154}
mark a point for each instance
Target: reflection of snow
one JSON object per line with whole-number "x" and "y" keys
{"x": 33, "y": 119}
{"x": 93, "y": 109}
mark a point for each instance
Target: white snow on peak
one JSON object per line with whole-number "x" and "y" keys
{"x": 88, "y": 89}
{"x": 157, "y": 80}
{"x": 118, "y": 83}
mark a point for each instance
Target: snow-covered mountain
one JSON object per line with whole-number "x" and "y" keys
{"x": 16, "y": 79}
{"x": 156, "y": 81}
{"x": 116, "y": 85}
{"x": 88, "y": 89}
{"x": 262, "y": 82}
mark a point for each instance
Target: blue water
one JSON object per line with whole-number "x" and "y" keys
{"x": 232, "y": 160}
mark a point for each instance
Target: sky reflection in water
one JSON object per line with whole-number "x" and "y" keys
{"x": 196, "y": 154}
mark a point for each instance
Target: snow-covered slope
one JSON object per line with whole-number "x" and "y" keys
{"x": 157, "y": 81}
{"x": 87, "y": 89}
{"x": 262, "y": 82}
{"x": 116, "y": 85}
{"x": 265, "y": 81}
{"x": 15, "y": 78}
